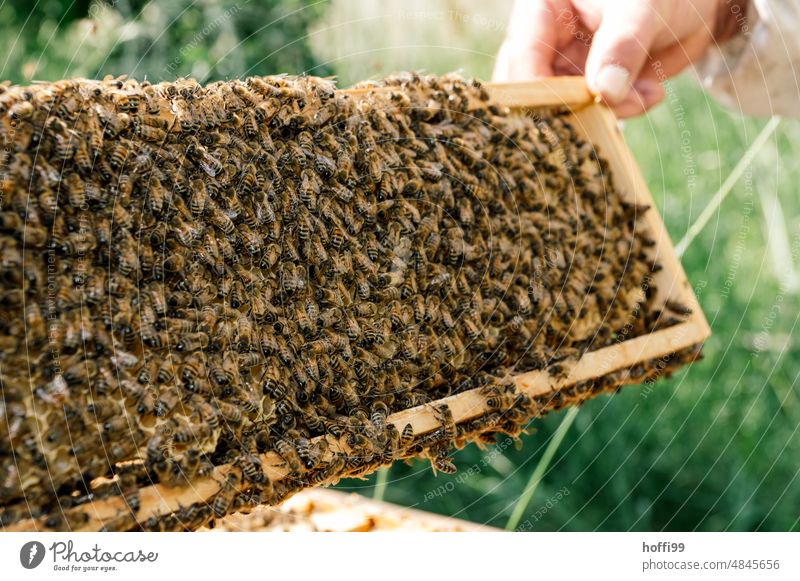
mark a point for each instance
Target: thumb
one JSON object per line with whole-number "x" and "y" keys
{"x": 620, "y": 47}
{"x": 529, "y": 48}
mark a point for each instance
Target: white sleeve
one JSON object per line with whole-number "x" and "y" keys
{"x": 758, "y": 71}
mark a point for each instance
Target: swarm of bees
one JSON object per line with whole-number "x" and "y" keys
{"x": 193, "y": 276}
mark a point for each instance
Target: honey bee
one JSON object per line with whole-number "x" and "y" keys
{"x": 678, "y": 308}
{"x": 229, "y": 413}
{"x": 244, "y": 333}
{"x": 208, "y": 163}
{"x": 186, "y": 233}
{"x": 119, "y": 155}
{"x": 189, "y": 518}
{"x": 197, "y": 204}
{"x": 406, "y": 437}
{"x": 289, "y": 454}
{"x": 35, "y": 326}
{"x": 192, "y": 342}
{"x": 306, "y": 453}
{"x": 194, "y": 371}
{"x": 448, "y": 429}
{"x": 441, "y": 462}
{"x": 497, "y": 398}
{"x": 252, "y": 242}
{"x": 309, "y": 189}
{"x": 380, "y": 411}
{"x": 330, "y": 470}
{"x": 150, "y": 132}
{"x": 224, "y": 498}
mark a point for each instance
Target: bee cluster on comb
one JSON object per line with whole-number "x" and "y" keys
{"x": 193, "y": 277}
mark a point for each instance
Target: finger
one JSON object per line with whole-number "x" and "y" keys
{"x": 644, "y": 95}
{"x": 530, "y": 45}
{"x": 571, "y": 59}
{"x": 620, "y": 47}
{"x": 516, "y": 64}
{"x": 667, "y": 63}
{"x": 648, "y": 89}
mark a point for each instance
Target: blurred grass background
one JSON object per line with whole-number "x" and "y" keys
{"x": 713, "y": 448}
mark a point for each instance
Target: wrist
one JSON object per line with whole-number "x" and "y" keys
{"x": 730, "y": 19}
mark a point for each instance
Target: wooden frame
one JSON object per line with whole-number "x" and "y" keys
{"x": 597, "y": 124}
{"x": 339, "y": 511}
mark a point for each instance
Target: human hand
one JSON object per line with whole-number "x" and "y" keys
{"x": 625, "y": 48}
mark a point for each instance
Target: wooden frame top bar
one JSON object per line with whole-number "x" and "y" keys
{"x": 556, "y": 91}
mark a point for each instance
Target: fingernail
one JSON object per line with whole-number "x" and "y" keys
{"x": 613, "y": 82}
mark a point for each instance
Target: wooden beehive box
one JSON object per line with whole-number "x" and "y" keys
{"x": 598, "y": 125}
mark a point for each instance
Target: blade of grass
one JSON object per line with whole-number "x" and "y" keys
{"x": 779, "y": 241}
{"x": 727, "y": 186}
{"x": 541, "y": 468}
{"x": 381, "y": 482}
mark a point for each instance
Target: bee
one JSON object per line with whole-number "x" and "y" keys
{"x": 197, "y": 203}
{"x": 21, "y": 111}
{"x": 117, "y": 424}
{"x": 224, "y": 499}
{"x": 192, "y": 342}
{"x": 119, "y": 155}
{"x": 68, "y": 520}
{"x": 79, "y": 243}
{"x": 380, "y": 411}
{"x": 35, "y": 326}
{"x": 252, "y": 242}
{"x": 273, "y": 385}
{"x": 375, "y": 167}
{"x": 229, "y": 412}
{"x": 167, "y": 400}
{"x": 251, "y": 123}
{"x": 366, "y": 447}
{"x": 309, "y": 188}
{"x": 200, "y": 155}
{"x": 48, "y": 202}
{"x": 498, "y": 398}
{"x": 197, "y": 433}
{"x": 292, "y": 279}
{"x": 186, "y": 233}
{"x": 222, "y": 251}
{"x": 313, "y": 420}
{"x": 244, "y": 333}
{"x": 306, "y": 454}
{"x": 338, "y": 238}
{"x": 441, "y": 462}
{"x": 81, "y": 155}
{"x": 226, "y": 373}
{"x": 127, "y": 483}
{"x": 150, "y": 132}
{"x": 306, "y": 324}
{"x": 194, "y": 370}
{"x": 330, "y": 470}
{"x": 448, "y": 427}
{"x": 289, "y": 454}
{"x": 678, "y": 308}
{"x": 189, "y": 518}
{"x": 406, "y": 437}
